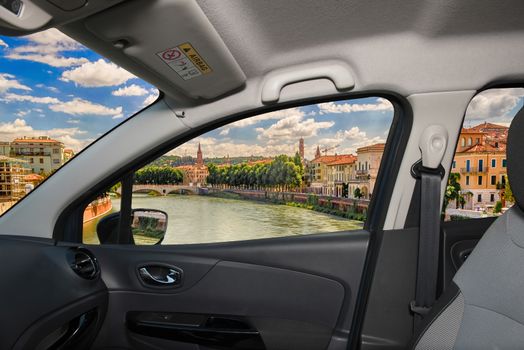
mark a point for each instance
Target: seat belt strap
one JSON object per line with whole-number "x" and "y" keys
{"x": 428, "y": 245}
{"x": 433, "y": 143}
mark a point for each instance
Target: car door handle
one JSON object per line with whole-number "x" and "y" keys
{"x": 160, "y": 276}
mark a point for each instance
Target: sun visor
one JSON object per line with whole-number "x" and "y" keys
{"x": 175, "y": 40}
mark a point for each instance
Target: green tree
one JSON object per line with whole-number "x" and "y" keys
{"x": 158, "y": 175}
{"x": 508, "y": 193}
{"x": 453, "y": 191}
{"x": 498, "y": 207}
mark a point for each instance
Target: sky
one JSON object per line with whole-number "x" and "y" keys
{"x": 51, "y": 85}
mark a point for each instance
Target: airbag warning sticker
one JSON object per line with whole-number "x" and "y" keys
{"x": 185, "y": 61}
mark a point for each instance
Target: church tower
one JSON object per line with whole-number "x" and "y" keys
{"x": 301, "y": 148}
{"x": 317, "y": 153}
{"x": 200, "y": 160}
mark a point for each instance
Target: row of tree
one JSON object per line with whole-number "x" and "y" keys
{"x": 164, "y": 175}
{"x": 282, "y": 174}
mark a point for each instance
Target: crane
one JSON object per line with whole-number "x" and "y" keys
{"x": 325, "y": 150}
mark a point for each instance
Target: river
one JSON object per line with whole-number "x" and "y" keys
{"x": 203, "y": 219}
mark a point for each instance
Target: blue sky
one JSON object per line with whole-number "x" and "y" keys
{"x": 51, "y": 85}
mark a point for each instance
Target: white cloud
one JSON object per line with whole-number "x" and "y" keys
{"x": 10, "y": 97}
{"x": 150, "y": 99}
{"x": 72, "y": 121}
{"x": 76, "y": 106}
{"x": 79, "y": 106}
{"x": 494, "y": 104}
{"x": 50, "y": 88}
{"x": 28, "y": 98}
{"x": 332, "y": 107}
{"x": 3, "y": 43}
{"x": 23, "y": 113}
{"x": 47, "y": 47}
{"x": 349, "y": 140}
{"x": 118, "y": 116}
{"x": 52, "y": 60}
{"x": 293, "y": 127}
{"x": 96, "y": 74}
{"x": 131, "y": 90}
{"x": 212, "y": 147}
{"x": 267, "y": 116}
{"x": 224, "y": 132}
{"x": 20, "y": 128}
{"x": 8, "y": 82}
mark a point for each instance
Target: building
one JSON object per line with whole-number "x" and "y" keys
{"x": 480, "y": 160}
{"x": 339, "y": 173}
{"x": 195, "y": 174}
{"x": 301, "y": 148}
{"x": 12, "y": 179}
{"x": 366, "y": 169}
{"x": 42, "y": 153}
{"x": 68, "y": 154}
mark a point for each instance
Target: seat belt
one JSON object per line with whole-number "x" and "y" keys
{"x": 430, "y": 172}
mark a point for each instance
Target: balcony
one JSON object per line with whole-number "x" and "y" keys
{"x": 31, "y": 154}
{"x": 474, "y": 170}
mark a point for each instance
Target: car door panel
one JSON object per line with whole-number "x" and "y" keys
{"x": 296, "y": 292}
{"x": 45, "y": 301}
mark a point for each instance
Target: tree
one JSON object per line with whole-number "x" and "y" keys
{"x": 508, "y": 193}
{"x": 357, "y": 193}
{"x": 158, "y": 175}
{"x": 498, "y": 207}
{"x": 453, "y": 191}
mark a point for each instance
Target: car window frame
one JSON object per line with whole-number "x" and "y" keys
{"x": 68, "y": 226}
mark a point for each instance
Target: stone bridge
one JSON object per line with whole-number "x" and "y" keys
{"x": 164, "y": 190}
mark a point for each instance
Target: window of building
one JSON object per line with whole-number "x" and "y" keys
{"x": 258, "y": 178}
{"x": 39, "y": 107}
{"x": 488, "y": 116}
{"x": 470, "y": 141}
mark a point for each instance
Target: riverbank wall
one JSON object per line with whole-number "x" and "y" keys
{"x": 97, "y": 208}
{"x": 355, "y": 209}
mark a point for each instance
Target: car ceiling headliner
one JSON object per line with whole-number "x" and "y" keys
{"x": 408, "y": 47}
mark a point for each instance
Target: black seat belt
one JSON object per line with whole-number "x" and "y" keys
{"x": 429, "y": 239}
{"x": 430, "y": 172}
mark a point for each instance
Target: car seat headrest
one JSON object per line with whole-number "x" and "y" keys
{"x": 515, "y": 158}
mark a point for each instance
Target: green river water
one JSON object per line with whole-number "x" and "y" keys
{"x": 203, "y": 219}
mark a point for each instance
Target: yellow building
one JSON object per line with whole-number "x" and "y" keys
{"x": 196, "y": 174}
{"x": 42, "y": 153}
{"x": 480, "y": 159}
{"x": 12, "y": 178}
{"x": 318, "y": 174}
{"x": 339, "y": 172}
{"x": 367, "y": 166}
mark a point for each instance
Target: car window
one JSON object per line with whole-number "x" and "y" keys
{"x": 296, "y": 171}
{"x": 56, "y": 97}
{"x": 478, "y": 186}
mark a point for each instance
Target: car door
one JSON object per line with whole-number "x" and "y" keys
{"x": 293, "y": 284}
{"x": 292, "y": 291}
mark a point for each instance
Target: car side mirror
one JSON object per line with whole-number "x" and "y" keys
{"x": 148, "y": 227}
